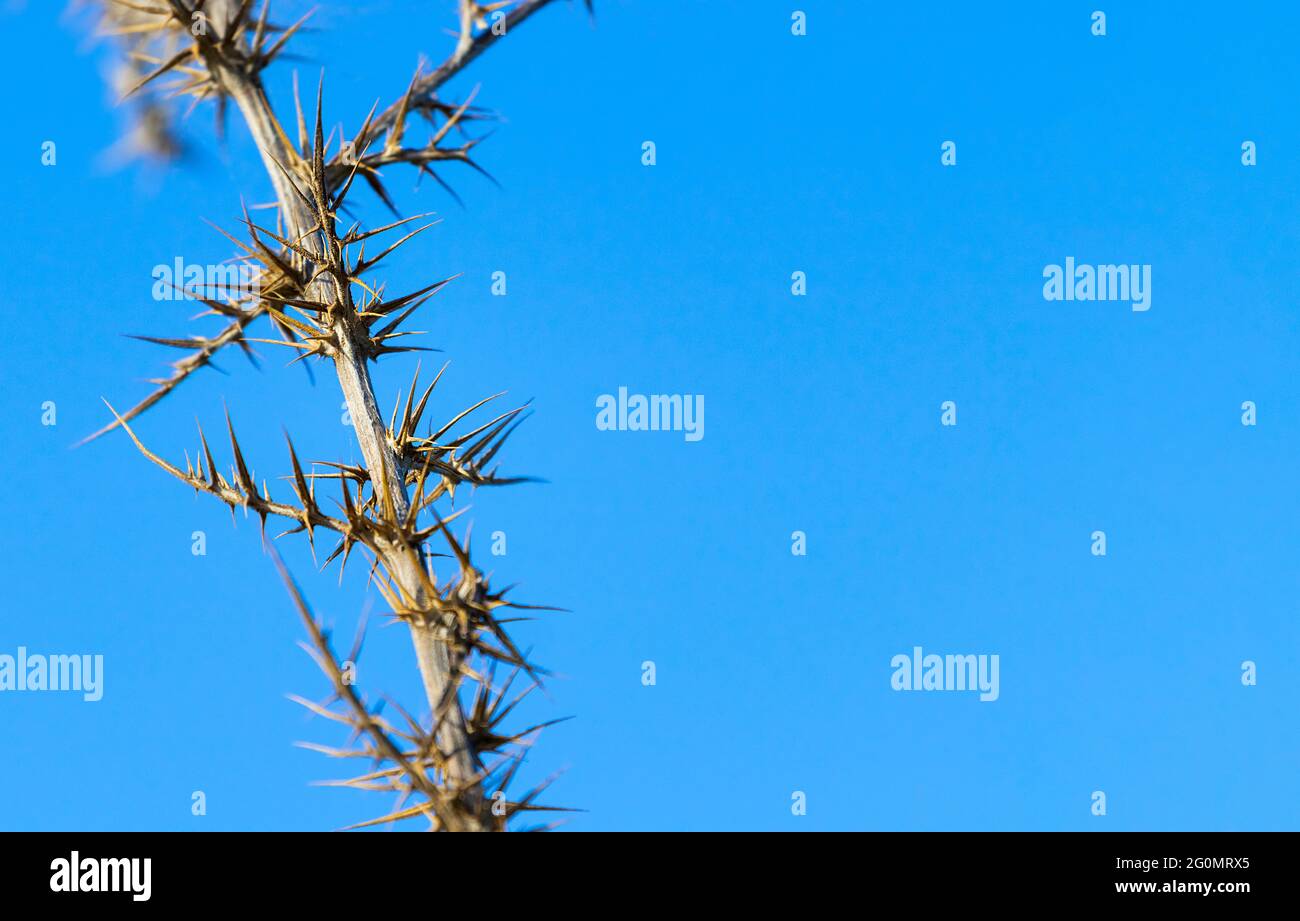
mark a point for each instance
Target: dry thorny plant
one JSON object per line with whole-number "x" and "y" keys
{"x": 456, "y": 768}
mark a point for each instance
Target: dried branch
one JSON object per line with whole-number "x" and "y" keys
{"x": 312, "y": 289}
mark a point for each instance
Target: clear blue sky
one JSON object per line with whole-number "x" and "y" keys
{"x": 775, "y": 154}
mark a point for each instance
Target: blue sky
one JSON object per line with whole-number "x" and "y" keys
{"x": 775, "y": 154}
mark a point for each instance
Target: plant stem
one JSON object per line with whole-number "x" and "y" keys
{"x": 387, "y": 472}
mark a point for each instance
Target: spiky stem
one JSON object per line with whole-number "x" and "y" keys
{"x": 217, "y": 49}
{"x": 386, "y": 471}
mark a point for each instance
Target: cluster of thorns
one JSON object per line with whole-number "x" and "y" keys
{"x": 311, "y": 287}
